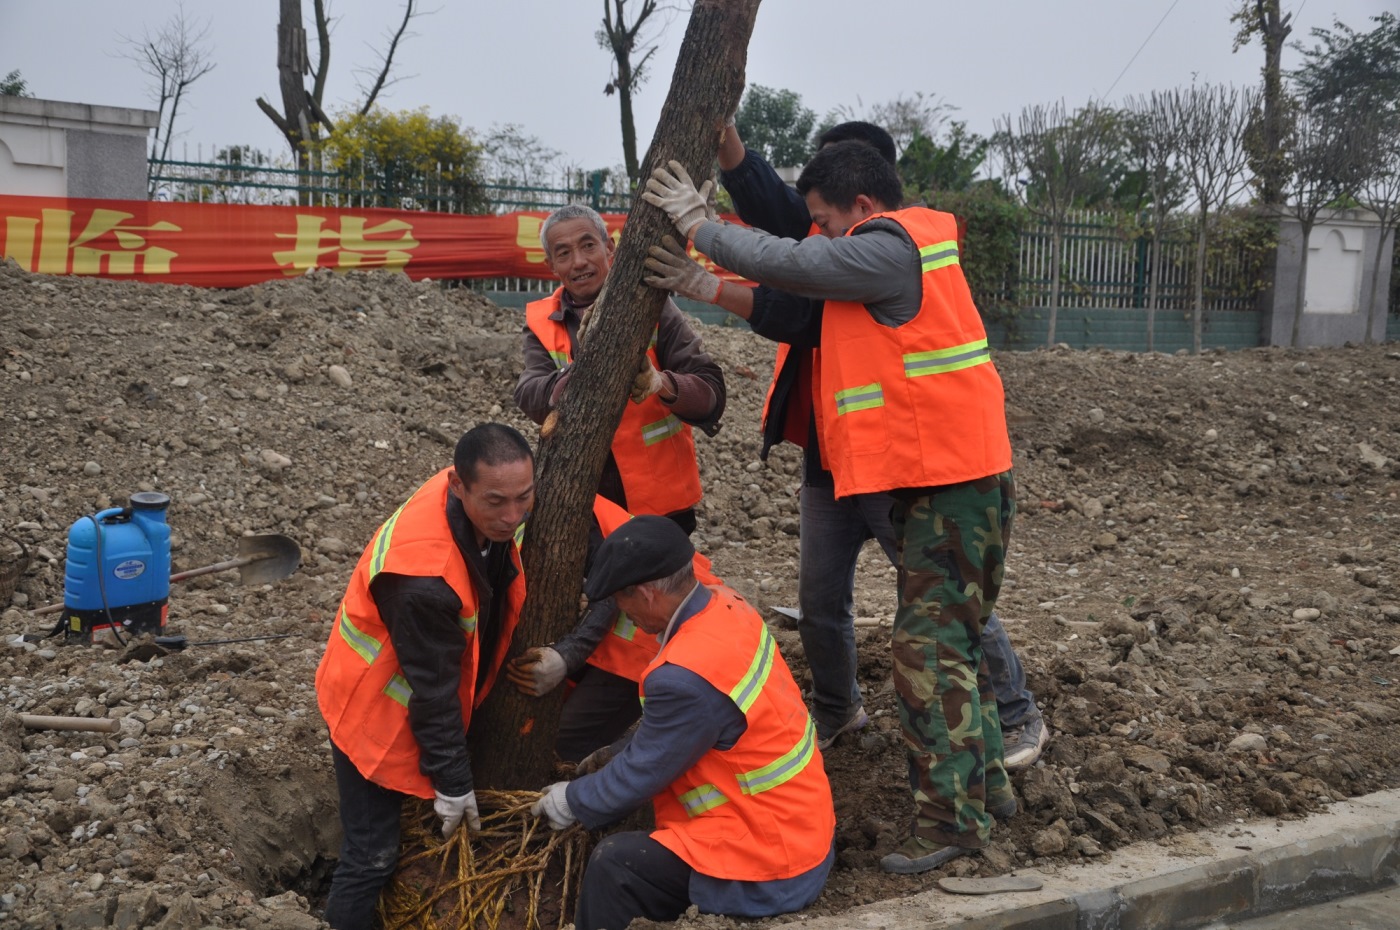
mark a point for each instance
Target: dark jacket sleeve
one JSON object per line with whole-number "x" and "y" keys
{"x": 685, "y": 716}
{"x": 785, "y": 317}
{"x": 764, "y": 201}
{"x": 576, "y": 646}
{"x": 536, "y": 384}
{"x": 421, "y": 615}
{"x": 682, "y": 354}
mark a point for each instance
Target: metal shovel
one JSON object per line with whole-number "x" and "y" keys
{"x": 261, "y": 560}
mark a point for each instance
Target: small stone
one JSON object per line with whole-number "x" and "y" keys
{"x": 262, "y": 710}
{"x": 92, "y": 469}
{"x": 1096, "y": 415}
{"x": 339, "y": 376}
{"x": 1105, "y": 541}
{"x": 274, "y": 460}
{"x": 1306, "y": 614}
{"x": 1248, "y": 742}
{"x": 1212, "y": 435}
{"x": 181, "y": 381}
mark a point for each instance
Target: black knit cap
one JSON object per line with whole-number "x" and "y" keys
{"x": 644, "y": 548}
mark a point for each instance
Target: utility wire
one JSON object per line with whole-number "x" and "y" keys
{"x": 1140, "y": 48}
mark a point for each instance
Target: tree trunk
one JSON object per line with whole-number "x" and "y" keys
{"x": 1375, "y": 305}
{"x": 629, "y": 125}
{"x": 1198, "y": 297}
{"x": 513, "y": 735}
{"x": 1057, "y": 245}
{"x": 1156, "y": 256}
{"x": 1273, "y": 29}
{"x": 1300, "y": 291}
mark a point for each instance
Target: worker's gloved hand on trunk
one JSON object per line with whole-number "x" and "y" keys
{"x": 537, "y": 671}
{"x": 673, "y": 270}
{"x": 674, "y": 192}
{"x": 649, "y": 381}
{"x": 553, "y": 805}
{"x": 453, "y": 810}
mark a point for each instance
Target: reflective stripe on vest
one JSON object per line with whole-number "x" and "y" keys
{"x": 862, "y": 397}
{"x": 381, "y": 542}
{"x": 467, "y": 623}
{"x": 784, "y": 767}
{"x": 746, "y": 691}
{"x": 939, "y": 255}
{"x": 940, "y": 361}
{"x": 702, "y": 798}
{"x": 624, "y": 627}
{"x": 363, "y": 645}
{"x": 665, "y": 428}
{"x": 399, "y": 689}
{"x": 560, "y": 358}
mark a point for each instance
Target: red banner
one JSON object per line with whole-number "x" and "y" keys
{"x": 229, "y": 245}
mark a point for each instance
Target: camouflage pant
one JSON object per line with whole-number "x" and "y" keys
{"x": 952, "y": 548}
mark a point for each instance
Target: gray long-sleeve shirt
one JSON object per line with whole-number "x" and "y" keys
{"x": 878, "y": 266}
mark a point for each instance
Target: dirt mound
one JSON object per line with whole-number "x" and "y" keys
{"x": 1202, "y": 582}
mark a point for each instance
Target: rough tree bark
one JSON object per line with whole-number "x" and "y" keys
{"x": 513, "y": 735}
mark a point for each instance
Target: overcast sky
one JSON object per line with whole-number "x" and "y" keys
{"x": 535, "y": 62}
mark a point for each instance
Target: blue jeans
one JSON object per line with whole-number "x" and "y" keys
{"x": 369, "y": 853}
{"x": 832, "y": 534}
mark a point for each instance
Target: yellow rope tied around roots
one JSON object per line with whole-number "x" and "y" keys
{"x": 475, "y": 881}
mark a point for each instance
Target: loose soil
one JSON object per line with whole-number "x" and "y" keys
{"x": 1202, "y": 583}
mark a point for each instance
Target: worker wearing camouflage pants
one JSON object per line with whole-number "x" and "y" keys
{"x": 951, "y": 553}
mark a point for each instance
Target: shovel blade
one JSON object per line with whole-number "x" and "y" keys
{"x": 270, "y": 557}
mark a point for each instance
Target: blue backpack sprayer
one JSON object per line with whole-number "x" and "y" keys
{"x": 117, "y": 578}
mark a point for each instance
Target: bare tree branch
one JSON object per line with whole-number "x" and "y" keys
{"x": 388, "y": 58}
{"x": 175, "y": 56}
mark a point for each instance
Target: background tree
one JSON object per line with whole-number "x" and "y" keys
{"x": 950, "y": 165}
{"x": 775, "y": 124}
{"x": 407, "y": 160}
{"x": 518, "y": 745}
{"x": 1211, "y": 120}
{"x": 302, "y": 119}
{"x": 1053, "y": 161}
{"x": 513, "y": 157}
{"x": 1349, "y": 70}
{"x": 174, "y": 57}
{"x": 1328, "y": 152}
{"x": 1155, "y": 135}
{"x": 1263, "y": 18}
{"x": 631, "y": 45}
{"x": 13, "y": 85}
{"x": 904, "y": 118}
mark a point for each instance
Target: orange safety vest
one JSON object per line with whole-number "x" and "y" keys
{"x": 918, "y": 405}
{"x": 653, "y": 448}
{"x": 762, "y": 809}
{"x": 627, "y": 649}
{"x": 360, "y": 689}
{"x": 799, "y": 404}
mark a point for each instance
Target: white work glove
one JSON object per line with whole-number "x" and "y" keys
{"x": 674, "y": 270}
{"x": 648, "y": 381}
{"x": 537, "y": 671}
{"x": 674, "y": 192}
{"x": 452, "y": 810}
{"x": 554, "y": 806}
{"x": 584, "y": 319}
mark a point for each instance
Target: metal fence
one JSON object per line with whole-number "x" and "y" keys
{"x": 1107, "y": 263}
{"x": 249, "y": 177}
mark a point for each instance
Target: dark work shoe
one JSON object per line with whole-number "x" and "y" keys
{"x": 858, "y": 719}
{"x": 1024, "y": 744}
{"x": 918, "y": 855}
{"x": 1003, "y": 811}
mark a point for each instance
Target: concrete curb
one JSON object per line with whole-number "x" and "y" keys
{"x": 1180, "y": 882}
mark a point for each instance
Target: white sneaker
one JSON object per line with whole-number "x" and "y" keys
{"x": 857, "y": 720}
{"x": 1024, "y": 744}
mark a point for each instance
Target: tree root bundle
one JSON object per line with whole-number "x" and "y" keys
{"x": 512, "y": 874}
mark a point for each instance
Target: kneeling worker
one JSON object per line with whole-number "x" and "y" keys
{"x": 421, "y": 633}
{"x": 726, "y": 751}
